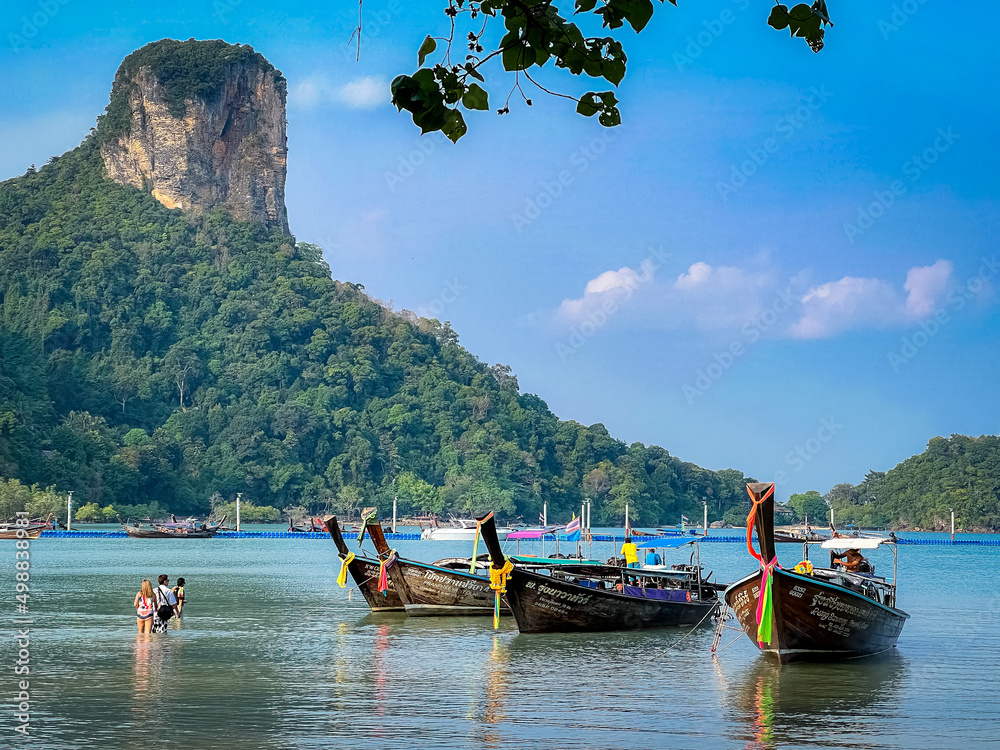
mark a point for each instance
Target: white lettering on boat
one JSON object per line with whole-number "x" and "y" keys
{"x": 564, "y": 595}
{"x": 460, "y": 583}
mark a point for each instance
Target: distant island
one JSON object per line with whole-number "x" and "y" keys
{"x": 166, "y": 343}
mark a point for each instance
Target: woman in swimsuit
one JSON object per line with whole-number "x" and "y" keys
{"x": 144, "y": 607}
{"x": 179, "y": 593}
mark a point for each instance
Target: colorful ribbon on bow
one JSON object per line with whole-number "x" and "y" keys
{"x": 369, "y": 515}
{"x": 383, "y": 577}
{"x": 765, "y": 600}
{"x": 342, "y": 575}
{"x": 498, "y": 582}
{"x": 765, "y": 604}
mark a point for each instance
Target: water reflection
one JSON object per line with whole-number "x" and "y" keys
{"x": 381, "y": 669}
{"x": 149, "y": 675}
{"x": 815, "y": 704}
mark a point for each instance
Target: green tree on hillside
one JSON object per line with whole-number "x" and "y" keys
{"x": 810, "y": 505}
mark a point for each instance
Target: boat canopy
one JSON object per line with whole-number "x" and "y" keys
{"x": 849, "y": 542}
{"x": 533, "y": 533}
{"x": 665, "y": 542}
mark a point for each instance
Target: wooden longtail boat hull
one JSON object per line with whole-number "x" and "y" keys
{"x": 365, "y": 572}
{"x": 156, "y": 534}
{"x": 25, "y": 534}
{"x": 428, "y": 590}
{"x": 815, "y": 620}
{"x": 543, "y": 604}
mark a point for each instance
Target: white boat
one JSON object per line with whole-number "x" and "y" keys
{"x": 461, "y": 530}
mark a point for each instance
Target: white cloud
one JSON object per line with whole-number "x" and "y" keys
{"x": 610, "y": 286}
{"x": 851, "y": 302}
{"x": 365, "y": 93}
{"x": 361, "y": 93}
{"x": 836, "y": 306}
{"x": 926, "y": 286}
{"x": 703, "y": 298}
{"x": 720, "y": 297}
{"x": 725, "y": 300}
{"x": 697, "y": 275}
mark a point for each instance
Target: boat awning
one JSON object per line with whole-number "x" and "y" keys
{"x": 666, "y": 542}
{"x": 849, "y": 542}
{"x": 533, "y": 533}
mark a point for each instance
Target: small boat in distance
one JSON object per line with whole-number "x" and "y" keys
{"x": 161, "y": 532}
{"x": 458, "y": 530}
{"x": 173, "y": 530}
{"x": 813, "y": 613}
{"x": 13, "y": 531}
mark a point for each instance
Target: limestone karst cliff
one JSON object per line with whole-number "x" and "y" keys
{"x": 200, "y": 124}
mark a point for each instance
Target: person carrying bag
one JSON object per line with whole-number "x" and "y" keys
{"x": 166, "y": 605}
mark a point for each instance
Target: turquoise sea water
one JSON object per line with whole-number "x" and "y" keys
{"x": 271, "y": 654}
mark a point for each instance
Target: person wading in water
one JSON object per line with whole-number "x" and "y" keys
{"x": 166, "y": 605}
{"x": 179, "y": 593}
{"x": 144, "y": 605}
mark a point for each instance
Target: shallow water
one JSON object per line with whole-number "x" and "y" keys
{"x": 270, "y": 653}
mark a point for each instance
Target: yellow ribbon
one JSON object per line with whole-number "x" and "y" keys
{"x": 342, "y": 575}
{"x": 498, "y": 582}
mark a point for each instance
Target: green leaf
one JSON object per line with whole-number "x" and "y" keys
{"x": 454, "y": 125}
{"x": 613, "y": 70}
{"x": 800, "y": 21}
{"x": 778, "y": 18}
{"x": 471, "y": 70}
{"x": 426, "y": 48}
{"x": 610, "y": 117}
{"x": 476, "y": 97}
{"x": 518, "y": 57}
{"x": 587, "y": 106}
{"x": 638, "y": 13}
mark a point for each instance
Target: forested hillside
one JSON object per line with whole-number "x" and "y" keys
{"x": 959, "y": 472}
{"x": 147, "y": 355}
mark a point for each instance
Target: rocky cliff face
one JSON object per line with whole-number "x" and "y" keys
{"x": 201, "y": 137}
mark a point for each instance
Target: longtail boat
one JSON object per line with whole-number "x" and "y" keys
{"x": 812, "y": 613}
{"x": 572, "y": 597}
{"x": 365, "y": 571}
{"x": 430, "y": 589}
{"x": 13, "y": 531}
{"x": 179, "y": 531}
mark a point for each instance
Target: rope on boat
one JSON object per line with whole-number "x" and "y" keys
{"x": 693, "y": 630}
{"x": 724, "y": 617}
{"x": 728, "y": 644}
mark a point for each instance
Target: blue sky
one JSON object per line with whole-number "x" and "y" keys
{"x": 782, "y": 262}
